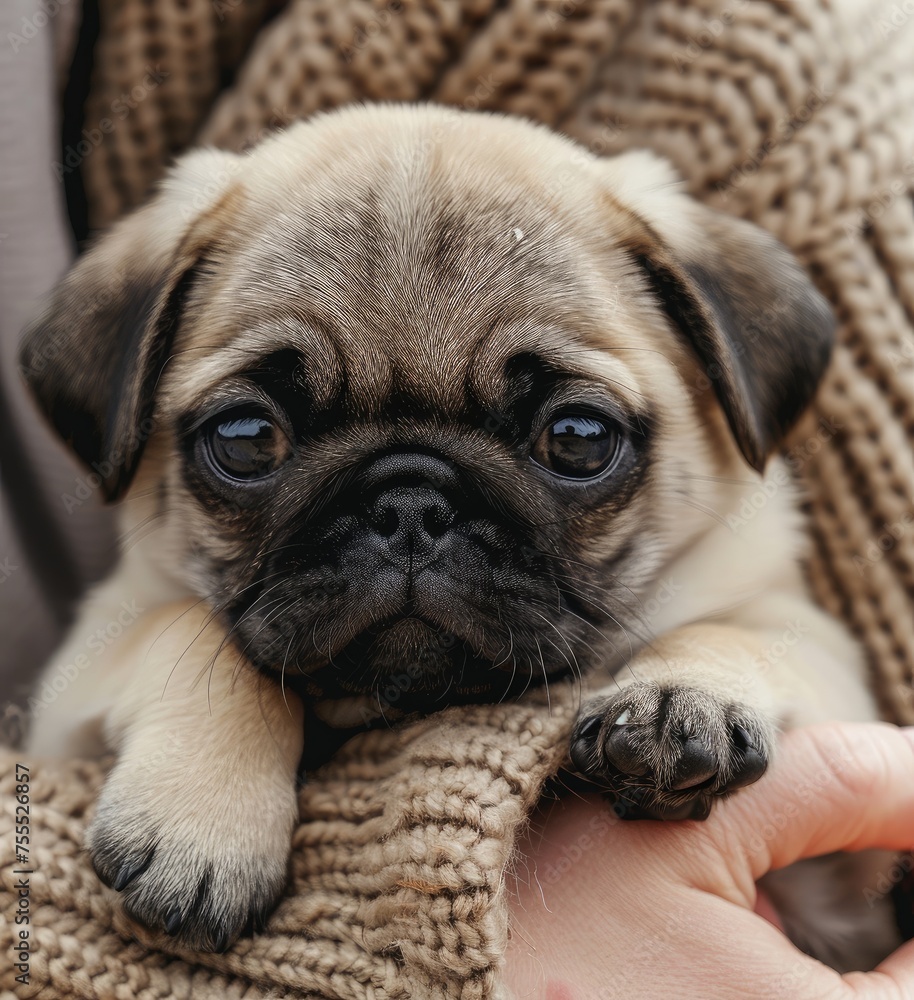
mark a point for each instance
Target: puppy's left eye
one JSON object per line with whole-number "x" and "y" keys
{"x": 245, "y": 445}
{"x": 577, "y": 446}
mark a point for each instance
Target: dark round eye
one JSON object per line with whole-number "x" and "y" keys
{"x": 576, "y": 446}
{"x": 246, "y": 445}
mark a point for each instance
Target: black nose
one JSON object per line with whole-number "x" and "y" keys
{"x": 404, "y": 468}
{"x": 411, "y": 499}
{"x": 411, "y": 519}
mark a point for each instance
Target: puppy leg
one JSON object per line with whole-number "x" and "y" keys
{"x": 88, "y": 673}
{"x": 693, "y": 716}
{"x": 689, "y": 719}
{"x": 194, "y": 823}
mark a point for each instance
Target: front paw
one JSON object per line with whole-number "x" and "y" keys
{"x": 201, "y": 875}
{"x": 668, "y": 752}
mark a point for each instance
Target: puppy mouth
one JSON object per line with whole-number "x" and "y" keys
{"x": 414, "y": 574}
{"x": 414, "y": 643}
{"x": 440, "y": 639}
{"x": 427, "y": 661}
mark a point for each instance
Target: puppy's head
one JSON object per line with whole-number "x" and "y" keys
{"x": 412, "y": 389}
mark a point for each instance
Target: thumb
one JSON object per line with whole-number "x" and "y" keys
{"x": 892, "y": 979}
{"x": 836, "y": 787}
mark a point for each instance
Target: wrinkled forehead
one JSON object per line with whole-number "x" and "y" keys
{"x": 419, "y": 280}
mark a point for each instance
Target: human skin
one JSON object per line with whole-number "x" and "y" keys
{"x": 602, "y": 909}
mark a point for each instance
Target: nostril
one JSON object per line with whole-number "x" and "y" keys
{"x": 415, "y": 517}
{"x": 386, "y": 521}
{"x": 436, "y": 521}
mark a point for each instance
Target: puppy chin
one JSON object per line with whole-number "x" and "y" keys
{"x": 407, "y": 641}
{"x": 426, "y": 661}
{"x": 406, "y": 666}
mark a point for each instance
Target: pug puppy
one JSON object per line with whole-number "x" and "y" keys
{"x": 410, "y": 388}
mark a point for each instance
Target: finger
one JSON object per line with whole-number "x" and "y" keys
{"x": 834, "y": 787}
{"x": 765, "y": 908}
{"x": 893, "y": 979}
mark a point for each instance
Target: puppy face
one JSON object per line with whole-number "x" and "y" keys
{"x": 425, "y": 388}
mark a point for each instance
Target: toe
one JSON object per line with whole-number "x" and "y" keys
{"x": 129, "y": 870}
{"x": 697, "y": 764}
{"x": 584, "y": 742}
{"x": 174, "y": 921}
{"x": 624, "y": 748}
{"x": 749, "y": 761}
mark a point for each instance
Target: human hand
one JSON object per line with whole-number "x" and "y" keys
{"x": 603, "y": 909}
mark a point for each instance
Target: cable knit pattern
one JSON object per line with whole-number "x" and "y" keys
{"x": 397, "y": 873}
{"x": 797, "y": 115}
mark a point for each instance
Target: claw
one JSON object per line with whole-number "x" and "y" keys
{"x": 131, "y": 870}
{"x": 173, "y": 921}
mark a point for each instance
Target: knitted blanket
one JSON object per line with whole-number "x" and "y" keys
{"x": 796, "y": 114}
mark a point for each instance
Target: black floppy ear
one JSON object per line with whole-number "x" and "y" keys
{"x": 94, "y": 357}
{"x": 762, "y": 332}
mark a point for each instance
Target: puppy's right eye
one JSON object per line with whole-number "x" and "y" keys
{"x": 577, "y": 446}
{"x": 245, "y": 445}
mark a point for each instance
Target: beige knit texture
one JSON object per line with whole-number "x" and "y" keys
{"x": 396, "y": 889}
{"x": 798, "y": 115}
